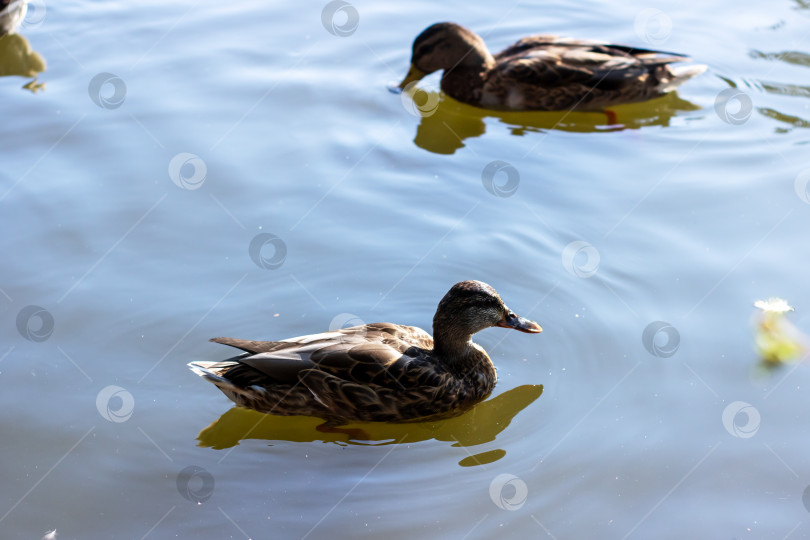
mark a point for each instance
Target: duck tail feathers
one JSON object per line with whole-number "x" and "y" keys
{"x": 681, "y": 74}
{"x": 210, "y": 371}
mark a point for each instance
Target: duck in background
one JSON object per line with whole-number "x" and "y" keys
{"x": 543, "y": 72}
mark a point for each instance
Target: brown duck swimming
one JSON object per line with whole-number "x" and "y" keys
{"x": 543, "y": 72}
{"x": 374, "y": 372}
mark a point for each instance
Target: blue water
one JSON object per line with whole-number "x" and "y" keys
{"x": 685, "y": 214}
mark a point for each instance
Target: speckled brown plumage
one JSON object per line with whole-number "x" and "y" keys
{"x": 375, "y": 372}
{"x": 543, "y": 72}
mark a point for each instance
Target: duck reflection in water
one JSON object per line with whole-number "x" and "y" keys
{"x": 445, "y": 124}
{"x": 16, "y": 56}
{"x": 479, "y": 425}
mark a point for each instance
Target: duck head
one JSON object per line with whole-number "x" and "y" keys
{"x": 471, "y": 306}
{"x": 446, "y": 46}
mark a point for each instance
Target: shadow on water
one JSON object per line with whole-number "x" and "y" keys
{"x": 446, "y": 124}
{"x": 16, "y": 56}
{"x": 481, "y": 424}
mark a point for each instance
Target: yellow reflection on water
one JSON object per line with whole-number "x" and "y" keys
{"x": 479, "y": 425}
{"x": 18, "y": 59}
{"x": 446, "y": 124}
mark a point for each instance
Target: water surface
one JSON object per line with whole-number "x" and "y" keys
{"x": 693, "y": 212}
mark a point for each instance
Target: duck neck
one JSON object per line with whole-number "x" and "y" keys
{"x": 455, "y": 348}
{"x": 464, "y": 83}
{"x": 465, "y": 78}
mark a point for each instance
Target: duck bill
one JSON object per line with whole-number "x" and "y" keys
{"x": 522, "y": 325}
{"x": 412, "y": 76}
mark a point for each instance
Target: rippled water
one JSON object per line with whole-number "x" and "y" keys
{"x": 683, "y": 212}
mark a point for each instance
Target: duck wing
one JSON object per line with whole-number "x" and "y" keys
{"x": 376, "y": 354}
{"x": 552, "y": 61}
{"x": 542, "y": 41}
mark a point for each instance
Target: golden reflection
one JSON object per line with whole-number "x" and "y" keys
{"x": 446, "y": 123}
{"x": 17, "y": 58}
{"x": 479, "y": 425}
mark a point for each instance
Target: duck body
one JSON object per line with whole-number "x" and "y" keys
{"x": 374, "y": 372}
{"x": 12, "y": 13}
{"x": 543, "y": 72}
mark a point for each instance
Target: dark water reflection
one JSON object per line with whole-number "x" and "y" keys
{"x": 789, "y": 57}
